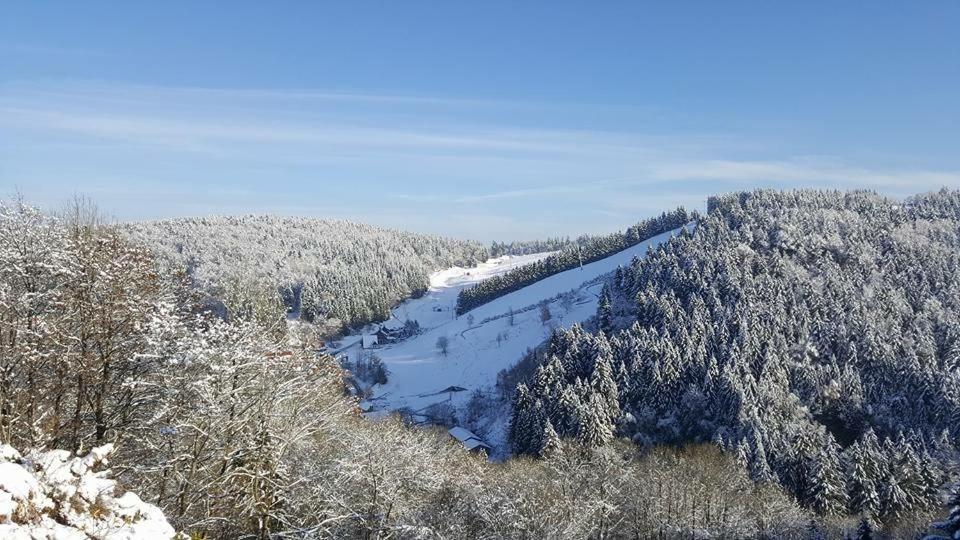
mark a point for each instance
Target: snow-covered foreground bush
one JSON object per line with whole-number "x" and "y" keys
{"x": 56, "y": 495}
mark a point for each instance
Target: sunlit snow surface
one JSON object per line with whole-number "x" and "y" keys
{"x": 55, "y": 495}
{"x": 419, "y": 372}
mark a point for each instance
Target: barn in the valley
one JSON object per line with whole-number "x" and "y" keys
{"x": 370, "y": 341}
{"x": 469, "y": 440}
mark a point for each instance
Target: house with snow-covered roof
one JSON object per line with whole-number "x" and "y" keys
{"x": 370, "y": 341}
{"x": 470, "y": 440}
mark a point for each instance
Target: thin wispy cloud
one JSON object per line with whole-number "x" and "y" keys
{"x": 805, "y": 172}
{"x": 369, "y": 150}
{"x": 183, "y": 132}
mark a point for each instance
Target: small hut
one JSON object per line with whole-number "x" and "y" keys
{"x": 469, "y": 440}
{"x": 370, "y": 341}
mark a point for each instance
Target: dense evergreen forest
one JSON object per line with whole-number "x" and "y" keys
{"x": 527, "y": 247}
{"x": 585, "y": 250}
{"x": 236, "y": 430}
{"x": 336, "y": 272}
{"x": 815, "y": 335}
{"x": 788, "y": 369}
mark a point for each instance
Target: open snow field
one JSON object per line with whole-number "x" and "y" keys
{"x": 419, "y": 372}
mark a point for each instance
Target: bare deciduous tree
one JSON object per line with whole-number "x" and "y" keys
{"x": 443, "y": 345}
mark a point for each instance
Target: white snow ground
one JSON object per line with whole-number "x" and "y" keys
{"x": 54, "y": 495}
{"x": 418, "y": 372}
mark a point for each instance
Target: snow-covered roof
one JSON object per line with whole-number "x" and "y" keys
{"x": 462, "y": 434}
{"x": 370, "y": 340}
{"x": 468, "y": 438}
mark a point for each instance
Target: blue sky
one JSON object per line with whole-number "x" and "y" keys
{"x": 490, "y": 120}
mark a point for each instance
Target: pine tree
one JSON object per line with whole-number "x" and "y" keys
{"x": 605, "y": 312}
{"x": 825, "y": 488}
{"x": 952, "y": 359}
{"x": 519, "y": 437}
{"x": 863, "y": 472}
{"x": 759, "y": 465}
{"x": 603, "y": 384}
{"x": 549, "y": 441}
{"x": 905, "y": 490}
{"x": 894, "y": 501}
{"x": 567, "y": 412}
{"x": 536, "y": 429}
{"x": 595, "y": 427}
{"x": 743, "y": 454}
{"x": 932, "y": 476}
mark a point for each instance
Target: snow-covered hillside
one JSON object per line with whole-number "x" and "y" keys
{"x": 483, "y": 341}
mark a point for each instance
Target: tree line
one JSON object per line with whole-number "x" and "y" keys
{"x": 528, "y": 247}
{"x": 585, "y": 250}
{"x": 331, "y": 272}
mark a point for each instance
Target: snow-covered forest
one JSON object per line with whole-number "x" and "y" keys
{"x": 337, "y": 272}
{"x": 814, "y": 335}
{"x": 786, "y": 368}
{"x": 587, "y": 249}
{"x": 529, "y": 247}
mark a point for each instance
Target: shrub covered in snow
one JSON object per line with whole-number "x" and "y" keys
{"x": 57, "y": 495}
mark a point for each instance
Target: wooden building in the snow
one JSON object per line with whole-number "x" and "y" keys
{"x": 469, "y": 440}
{"x": 370, "y": 341}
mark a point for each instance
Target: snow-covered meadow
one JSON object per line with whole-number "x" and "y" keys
{"x": 482, "y": 342}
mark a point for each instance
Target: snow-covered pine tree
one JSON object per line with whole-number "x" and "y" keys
{"x": 567, "y": 412}
{"x": 605, "y": 312}
{"x": 596, "y": 429}
{"x": 602, "y": 383}
{"x": 549, "y": 441}
{"x": 759, "y": 465}
{"x": 519, "y": 420}
{"x": 863, "y": 465}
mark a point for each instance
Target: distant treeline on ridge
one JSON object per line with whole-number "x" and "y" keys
{"x": 587, "y": 250}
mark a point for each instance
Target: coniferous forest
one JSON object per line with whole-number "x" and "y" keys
{"x": 787, "y": 366}
{"x": 337, "y": 272}
{"x": 813, "y": 335}
{"x": 586, "y": 250}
